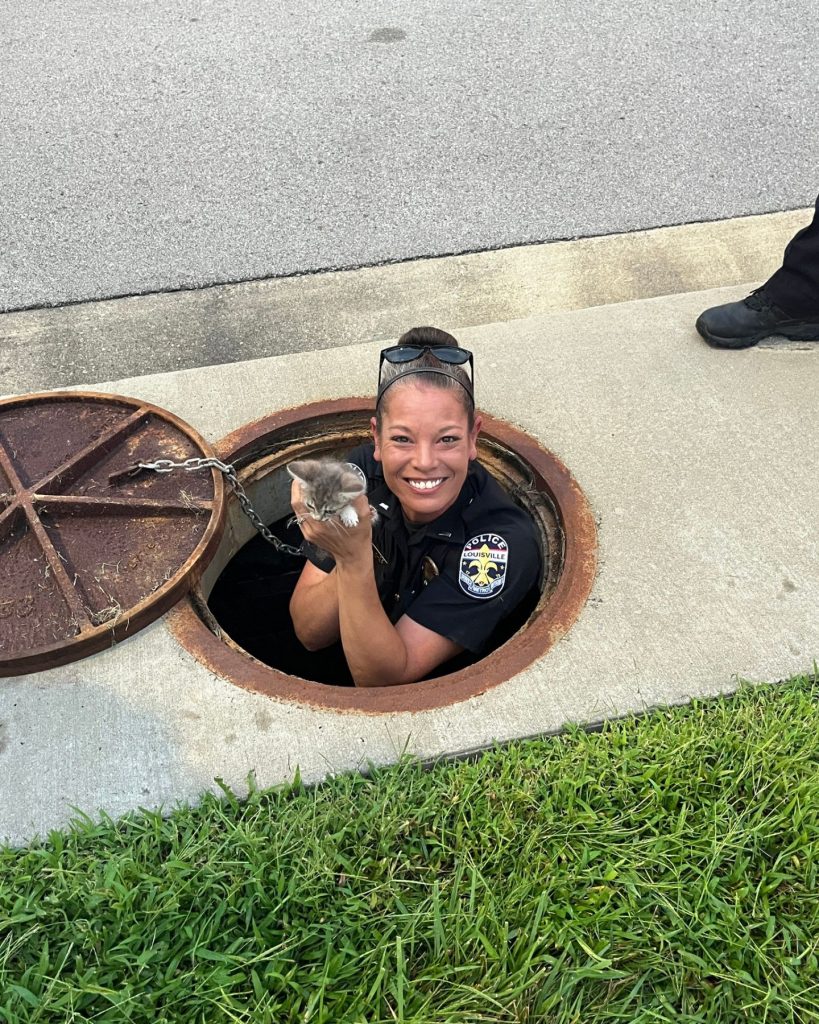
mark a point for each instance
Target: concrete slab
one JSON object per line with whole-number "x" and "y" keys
{"x": 701, "y": 466}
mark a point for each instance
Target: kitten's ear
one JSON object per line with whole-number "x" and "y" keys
{"x": 304, "y": 470}
{"x": 352, "y": 485}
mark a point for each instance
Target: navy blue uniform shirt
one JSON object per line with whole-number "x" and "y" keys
{"x": 461, "y": 574}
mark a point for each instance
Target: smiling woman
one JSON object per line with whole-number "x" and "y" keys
{"x": 450, "y": 555}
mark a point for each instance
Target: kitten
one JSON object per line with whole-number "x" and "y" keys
{"x": 329, "y": 487}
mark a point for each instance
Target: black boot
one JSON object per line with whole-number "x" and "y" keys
{"x": 742, "y": 324}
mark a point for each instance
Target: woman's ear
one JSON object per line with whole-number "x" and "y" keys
{"x": 473, "y": 438}
{"x": 377, "y": 447}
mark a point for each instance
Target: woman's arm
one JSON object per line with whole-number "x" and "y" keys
{"x": 378, "y": 653}
{"x": 314, "y": 603}
{"x": 345, "y": 604}
{"x": 314, "y": 608}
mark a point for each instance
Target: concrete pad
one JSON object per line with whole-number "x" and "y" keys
{"x": 701, "y": 466}
{"x": 78, "y": 344}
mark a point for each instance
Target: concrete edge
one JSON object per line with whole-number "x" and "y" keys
{"x": 164, "y": 332}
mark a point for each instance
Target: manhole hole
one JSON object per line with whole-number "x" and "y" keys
{"x": 534, "y": 477}
{"x": 86, "y": 561}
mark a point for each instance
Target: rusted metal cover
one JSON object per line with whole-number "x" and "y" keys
{"x": 85, "y": 562}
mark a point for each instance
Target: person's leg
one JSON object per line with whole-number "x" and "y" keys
{"x": 787, "y": 304}
{"x": 795, "y": 286}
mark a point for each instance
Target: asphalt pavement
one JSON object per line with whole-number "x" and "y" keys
{"x": 156, "y": 146}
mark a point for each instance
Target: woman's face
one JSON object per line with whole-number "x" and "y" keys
{"x": 424, "y": 447}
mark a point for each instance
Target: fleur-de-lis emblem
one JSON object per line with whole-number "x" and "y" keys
{"x": 483, "y": 563}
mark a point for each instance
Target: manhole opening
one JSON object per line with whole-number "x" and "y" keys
{"x": 238, "y": 622}
{"x": 254, "y": 591}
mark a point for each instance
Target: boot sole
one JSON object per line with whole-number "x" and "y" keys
{"x": 805, "y": 332}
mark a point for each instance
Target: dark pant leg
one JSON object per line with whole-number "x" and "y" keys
{"x": 795, "y": 286}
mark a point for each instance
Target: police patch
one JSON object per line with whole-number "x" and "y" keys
{"x": 483, "y": 565}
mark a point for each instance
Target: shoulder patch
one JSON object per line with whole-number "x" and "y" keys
{"x": 483, "y": 565}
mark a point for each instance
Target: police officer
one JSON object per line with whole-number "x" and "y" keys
{"x": 787, "y": 304}
{"x": 450, "y": 556}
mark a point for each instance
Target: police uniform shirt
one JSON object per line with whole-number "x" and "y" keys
{"x": 461, "y": 574}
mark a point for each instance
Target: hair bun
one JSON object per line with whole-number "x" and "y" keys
{"x": 429, "y": 337}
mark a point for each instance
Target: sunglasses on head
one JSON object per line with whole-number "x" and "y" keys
{"x": 444, "y": 354}
{"x": 400, "y": 354}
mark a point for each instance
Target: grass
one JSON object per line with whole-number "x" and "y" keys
{"x": 662, "y": 869}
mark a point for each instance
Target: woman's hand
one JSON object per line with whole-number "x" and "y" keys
{"x": 347, "y": 544}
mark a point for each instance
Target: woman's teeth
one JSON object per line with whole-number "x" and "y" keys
{"x": 425, "y": 485}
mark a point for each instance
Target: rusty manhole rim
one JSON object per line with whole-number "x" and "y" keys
{"x": 551, "y": 620}
{"x": 93, "y": 637}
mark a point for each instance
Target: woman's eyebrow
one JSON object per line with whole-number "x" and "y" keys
{"x": 449, "y": 428}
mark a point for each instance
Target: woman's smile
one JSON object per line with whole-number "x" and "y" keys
{"x": 425, "y": 485}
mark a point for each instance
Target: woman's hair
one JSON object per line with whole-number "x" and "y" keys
{"x": 446, "y": 376}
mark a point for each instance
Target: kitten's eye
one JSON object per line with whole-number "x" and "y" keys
{"x": 310, "y": 506}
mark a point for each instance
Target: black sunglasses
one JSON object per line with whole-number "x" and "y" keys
{"x": 444, "y": 354}
{"x": 400, "y": 354}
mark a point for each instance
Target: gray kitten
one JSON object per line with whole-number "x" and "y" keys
{"x": 329, "y": 487}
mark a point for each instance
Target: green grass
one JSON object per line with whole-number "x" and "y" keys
{"x": 663, "y": 869}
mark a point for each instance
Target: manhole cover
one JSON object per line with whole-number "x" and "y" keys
{"x": 85, "y": 561}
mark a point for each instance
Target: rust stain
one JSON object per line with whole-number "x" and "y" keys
{"x": 569, "y": 579}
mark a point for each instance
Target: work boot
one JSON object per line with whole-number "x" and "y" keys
{"x": 744, "y": 323}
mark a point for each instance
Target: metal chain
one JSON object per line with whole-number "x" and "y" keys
{"x": 229, "y": 472}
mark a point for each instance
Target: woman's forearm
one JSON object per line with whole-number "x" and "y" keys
{"x": 314, "y": 611}
{"x": 375, "y": 651}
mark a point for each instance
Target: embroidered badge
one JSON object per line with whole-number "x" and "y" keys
{"x": 483, "y": 565}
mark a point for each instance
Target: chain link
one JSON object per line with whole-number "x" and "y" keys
{"x": 229, "y": 472}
